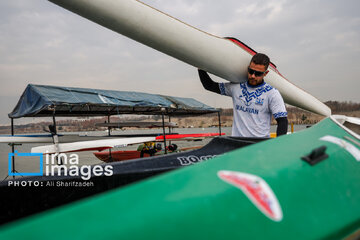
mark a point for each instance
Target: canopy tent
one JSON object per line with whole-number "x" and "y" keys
{"x": 54, "y": 101}
{"x": 46, "y": 101}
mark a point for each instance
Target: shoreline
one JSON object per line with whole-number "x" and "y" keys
{"x": 295, "y": 116}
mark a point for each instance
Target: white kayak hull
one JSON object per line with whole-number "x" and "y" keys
{"x": 26, "y": 139}
{"x": 166, "y": 34}
{"x": 90, "y": 145}
{"x": 41, "y": 138}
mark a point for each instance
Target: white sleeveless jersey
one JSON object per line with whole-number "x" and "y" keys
{"x": 253, "y": 107}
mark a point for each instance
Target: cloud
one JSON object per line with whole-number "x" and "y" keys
{"x": 266, "y": 10}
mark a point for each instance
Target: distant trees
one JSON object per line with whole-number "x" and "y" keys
{"x": 346, "y": 106}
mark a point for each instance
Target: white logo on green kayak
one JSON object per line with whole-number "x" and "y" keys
{"x": 344, "y": 144}
{"x": 257, "y": 190}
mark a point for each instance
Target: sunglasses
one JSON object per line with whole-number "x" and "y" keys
{"x": 256, "y": 73}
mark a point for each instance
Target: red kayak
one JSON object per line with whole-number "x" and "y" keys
{"x": 189, "y": 136}
{"x": 115, "y": 156}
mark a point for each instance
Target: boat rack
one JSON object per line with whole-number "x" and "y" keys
{"x": 56, "y": 101}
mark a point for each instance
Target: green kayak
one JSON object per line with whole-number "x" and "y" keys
{"x": 299, "y": 186}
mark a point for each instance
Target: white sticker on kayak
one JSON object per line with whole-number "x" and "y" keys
{"x": 344, "y": 144}
{"x": 257, "y": 190}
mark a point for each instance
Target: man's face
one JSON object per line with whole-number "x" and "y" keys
{"x": 256, "y": 73}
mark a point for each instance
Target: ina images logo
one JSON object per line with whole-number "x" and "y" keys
{"x": 69, "y": 166}
{"x": 22, "y": 155}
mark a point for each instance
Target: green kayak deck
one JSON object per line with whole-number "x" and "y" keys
{"x": 264, "y": 191}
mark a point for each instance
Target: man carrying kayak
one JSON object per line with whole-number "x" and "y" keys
{"x": 254, "y": 101}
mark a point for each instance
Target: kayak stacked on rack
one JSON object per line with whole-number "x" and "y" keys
{"x": 115, "y": 142}
{"x": 63, "y": 187}
{"x": 304, "y": 185}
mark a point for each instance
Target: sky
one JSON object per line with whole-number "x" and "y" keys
{"x": 315, "y": 44}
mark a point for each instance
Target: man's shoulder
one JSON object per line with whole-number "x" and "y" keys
{"x": 264, "y": 88}
{"x": 272, "y": 92}
{"x": 268, "y": 85}
{"x": 270, "y": 88}
{"x": 232, "y": 85}
{"x": 237, "y": 84}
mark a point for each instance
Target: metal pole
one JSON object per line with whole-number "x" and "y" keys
{"x": 169, "y": 124}
{"x": 170, "y": 128}
{"x": 12, "y": 127}
{"x": 56, "y": 139}
{"x": 54, "y": 123}
{"x": 12, "y": 148}
{"x": 219, "y": 123}
{"x": 13, "y": 151}
{"x": 109, "y": 134}
{"x": 163, "y": 123}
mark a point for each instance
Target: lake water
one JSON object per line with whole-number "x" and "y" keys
{"x": 31, "y": 164}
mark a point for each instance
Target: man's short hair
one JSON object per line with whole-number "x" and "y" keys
{"x": 261, "y": 59}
